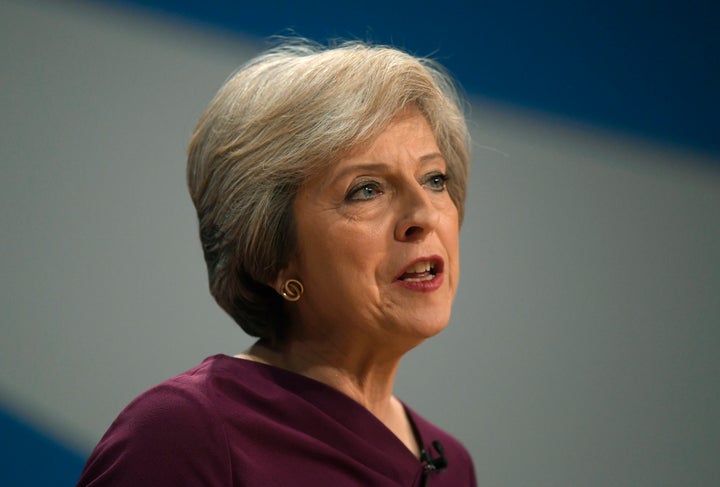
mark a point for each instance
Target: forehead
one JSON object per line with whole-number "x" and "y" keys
{"x": 407, "y": 138}
{"x": 408, "y": 125}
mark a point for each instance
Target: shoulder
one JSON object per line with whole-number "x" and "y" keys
{"x": 169, "y": 435}
{"x": 184, "y": 400}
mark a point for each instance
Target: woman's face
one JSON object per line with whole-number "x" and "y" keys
{"x": 378, "y": 240}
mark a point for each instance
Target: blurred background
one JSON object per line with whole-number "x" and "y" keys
{"x": 584, "y": 347}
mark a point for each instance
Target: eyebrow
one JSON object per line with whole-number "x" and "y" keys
{"x": 378, "y": 166}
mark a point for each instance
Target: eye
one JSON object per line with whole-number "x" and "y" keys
{"x": 436, "y": 182}
{"x": 364, "y": 191}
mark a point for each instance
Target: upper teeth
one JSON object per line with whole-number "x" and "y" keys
{"x": 419, "y": 267}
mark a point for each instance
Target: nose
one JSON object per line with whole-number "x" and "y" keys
{"x": 417, "y": 215}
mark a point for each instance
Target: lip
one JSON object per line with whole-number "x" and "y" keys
{"x": 423, "y": 286}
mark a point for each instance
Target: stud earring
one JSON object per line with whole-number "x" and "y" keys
{"x": 292, "y": 290}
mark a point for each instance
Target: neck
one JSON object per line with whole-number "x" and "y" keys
{"x": 359, "y": 368}
{"x": 366, "y": 378}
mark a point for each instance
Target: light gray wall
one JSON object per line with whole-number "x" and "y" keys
{"x": 584, "y": 345}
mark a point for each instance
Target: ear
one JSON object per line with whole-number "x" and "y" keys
{"x": 280, "y": 279}
{"x": 288, "y": 272}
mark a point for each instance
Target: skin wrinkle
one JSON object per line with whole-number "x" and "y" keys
{"x": 353, "y": 324}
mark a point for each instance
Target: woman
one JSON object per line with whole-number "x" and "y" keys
{"x": 329, "y": 186}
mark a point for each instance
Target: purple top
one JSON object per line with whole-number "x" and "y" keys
{"x": 233, "y": 422}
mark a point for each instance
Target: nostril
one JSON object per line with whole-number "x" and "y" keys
{"x": 413, "y": 231}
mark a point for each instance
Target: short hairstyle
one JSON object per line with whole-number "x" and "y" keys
{"x": 282, "y": 118}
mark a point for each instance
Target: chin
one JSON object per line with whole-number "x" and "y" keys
{"x": 426, "y": 328}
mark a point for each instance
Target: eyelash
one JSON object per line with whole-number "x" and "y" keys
{"x": 435, "y": 182}
{"x": 355, "y": 190}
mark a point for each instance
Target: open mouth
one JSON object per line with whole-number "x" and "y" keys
{"x": 422, "y": 270}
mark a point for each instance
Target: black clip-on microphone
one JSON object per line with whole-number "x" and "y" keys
{"x": 433, "y": 464}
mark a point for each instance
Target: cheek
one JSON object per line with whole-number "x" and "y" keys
{"x": 358, "y": 252}
{"x": 342, "y": 254}
{"x": 452, "y": 243}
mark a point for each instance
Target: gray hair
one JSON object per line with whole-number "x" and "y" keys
{"x": 282, "y": 118}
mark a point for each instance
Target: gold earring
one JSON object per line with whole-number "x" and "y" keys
{"x": 292, "y": 290}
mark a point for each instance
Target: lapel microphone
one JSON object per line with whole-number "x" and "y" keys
{"x": 434, "y": 464}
